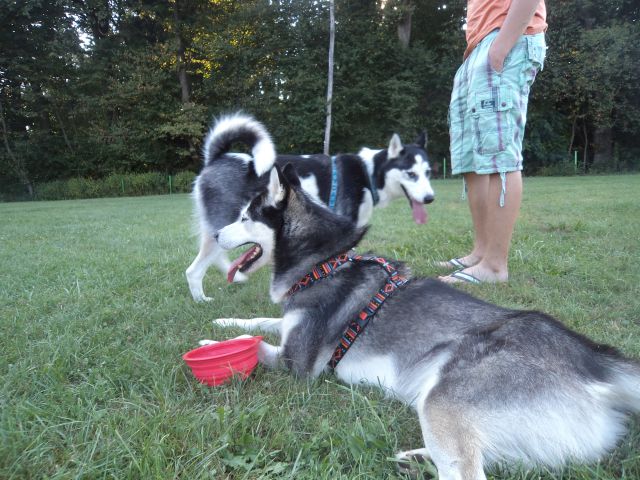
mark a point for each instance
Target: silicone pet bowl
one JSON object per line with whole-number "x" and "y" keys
{"x": 217, "y": 363}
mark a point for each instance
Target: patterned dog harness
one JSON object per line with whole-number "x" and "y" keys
{"x": 357, "y": 325}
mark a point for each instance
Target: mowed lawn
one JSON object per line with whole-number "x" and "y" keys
{"x": 95, "y": 314}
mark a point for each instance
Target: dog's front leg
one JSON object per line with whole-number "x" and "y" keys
{"x": 271, "y": 325}
{"x": 268, "y": 354}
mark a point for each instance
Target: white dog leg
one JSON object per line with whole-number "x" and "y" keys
{"x": 272, "y": 325}
{"x": 209, "y": 252}
{"x": 204, "y": 342}
{"x": 269, "y": 355}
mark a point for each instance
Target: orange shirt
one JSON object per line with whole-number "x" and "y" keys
{"x": 484, "y": 16}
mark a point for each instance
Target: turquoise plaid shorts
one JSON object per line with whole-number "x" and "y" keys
{"x": 488, "y": 110}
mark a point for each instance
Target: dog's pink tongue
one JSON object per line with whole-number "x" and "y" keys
{"x": 419, "y": 212}
{"x": 237, "y": 263}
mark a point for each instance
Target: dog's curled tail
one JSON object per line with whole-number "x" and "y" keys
{"x": 240, "y": 128}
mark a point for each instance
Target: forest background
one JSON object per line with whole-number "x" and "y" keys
{"x": 96, "y": 88}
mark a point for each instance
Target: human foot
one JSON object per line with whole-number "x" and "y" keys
{"x": 459, "y": 263}
{"x": 476, "y": 274}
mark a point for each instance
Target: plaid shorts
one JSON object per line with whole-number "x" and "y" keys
{"x": 488, "y": 110}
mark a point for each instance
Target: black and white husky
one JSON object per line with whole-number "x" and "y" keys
{"x": 490, "y": 385}
{"x": 351, "y": 184}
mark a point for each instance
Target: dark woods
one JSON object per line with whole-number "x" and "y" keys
{"x": 90, "y": 88}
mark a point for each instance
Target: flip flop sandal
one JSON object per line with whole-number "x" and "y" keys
{"x": 454, "y": 264}
{"x": 465, "y": 278}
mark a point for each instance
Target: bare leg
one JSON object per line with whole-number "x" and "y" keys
{"x": 493, "y": 224}
{"x": 478, "y": 195}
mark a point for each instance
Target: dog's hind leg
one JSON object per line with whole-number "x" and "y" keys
{"x": 210, "y": 252}
{"x": 408, "y": 460}
{"x": 450, "y": 440}
{"x": 261, "y": 323}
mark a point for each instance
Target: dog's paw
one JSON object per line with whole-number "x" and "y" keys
{"x": 415, "y": 464}
{"x": 204, "y": 342}
{"x": 201, "y": 297}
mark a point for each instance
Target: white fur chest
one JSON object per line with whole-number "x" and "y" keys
{"x": 376, "y": 370}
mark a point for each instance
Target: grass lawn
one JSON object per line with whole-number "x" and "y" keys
{"x": 95, "y": 313}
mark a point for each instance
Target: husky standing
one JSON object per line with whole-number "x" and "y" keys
{"x": 489, "y": 384}
{"x": 351, "y": 185}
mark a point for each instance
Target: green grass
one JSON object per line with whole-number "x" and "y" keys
{"x": 95, "y": 313}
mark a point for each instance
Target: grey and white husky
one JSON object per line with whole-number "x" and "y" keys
{"x": 490, "y": 385}
{"x": 360, "y": 182}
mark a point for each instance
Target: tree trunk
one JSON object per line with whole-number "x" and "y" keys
{"x": 586, "y": 146}
{"x": 181, "y": 71}
{"x": 404, "y": 26}
{"x": 63, "y": 130}
{"x": 17, "y": 164}
{"x": 573, "y": 134}
{"x": 602, "y": 148}
{"x": 185, "y": 88}
{"x": 332, "y": 37}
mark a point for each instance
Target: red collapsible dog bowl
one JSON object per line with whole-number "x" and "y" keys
{"x": 217, "y": 363}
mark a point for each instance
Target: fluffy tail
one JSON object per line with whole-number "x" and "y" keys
{"x": 626, "y": 381}
{"x": 243, "y": 129}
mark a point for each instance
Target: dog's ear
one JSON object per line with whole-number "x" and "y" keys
{"x": 421, "y": 141}
{"x": 291, "y": 174}
{"x": 276, "y": 190}
{"x": 395, "y": 146}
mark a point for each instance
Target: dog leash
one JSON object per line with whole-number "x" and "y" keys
{"x": 374, "y": 190}
{"x": 358, "y": 324}
{"x": 333, "y": 196}
{"x": 334, "y": 184}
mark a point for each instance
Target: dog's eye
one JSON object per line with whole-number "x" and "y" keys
{"x": 412, "y": 175}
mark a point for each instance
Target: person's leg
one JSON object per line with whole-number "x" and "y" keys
{"x": 495, "y": 226}
{"x": 501, "y": 221}
{"x": 478, "y": 196}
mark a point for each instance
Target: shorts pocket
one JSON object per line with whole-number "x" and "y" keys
{"x": 536, "y": 51}
{"x": 492, "y": 120}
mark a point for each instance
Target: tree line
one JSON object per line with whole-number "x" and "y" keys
{"x": 90, "y": 88}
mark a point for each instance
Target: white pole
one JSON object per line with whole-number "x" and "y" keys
{"x": 332, "y": 35}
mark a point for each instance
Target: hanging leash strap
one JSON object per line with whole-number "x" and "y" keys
{"x": 358, "y": 324}
{"x": 334, "y": 184}
{"x": 374, "y": 190}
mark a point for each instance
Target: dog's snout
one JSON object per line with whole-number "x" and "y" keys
{"x": 428, "y": 199}
{"x": 216, "y": 235}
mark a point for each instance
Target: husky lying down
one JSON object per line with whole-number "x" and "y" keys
{"x": 354, "y": 186}
{"x": 489, "y": 384}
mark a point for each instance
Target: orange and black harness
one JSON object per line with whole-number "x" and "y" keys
{"x": 358, "y": 324}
